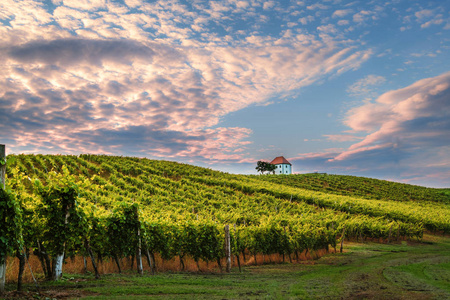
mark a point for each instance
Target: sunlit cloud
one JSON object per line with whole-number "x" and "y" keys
{"x": 342, "y": 137}
{"x": 416, "y": 116}
{"x": 407, "y": 128}
{"x": 342, "y": 13}
{"x": 93, "y": 76}
{"x": 404, "y": 133}
{"x": 363, "y": 87}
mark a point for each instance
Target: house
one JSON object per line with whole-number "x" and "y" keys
{"x": 282, "y": 166}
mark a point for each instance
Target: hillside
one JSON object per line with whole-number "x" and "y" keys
{"x": 114, "y": 179}
{"x": 361, "y": 187}
{"x": 113, "y": 204}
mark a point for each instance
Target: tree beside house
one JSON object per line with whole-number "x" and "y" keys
{"x": 279, "y": 165}
{"x": 262, "y": 166}
{"x": 282, "y": 165}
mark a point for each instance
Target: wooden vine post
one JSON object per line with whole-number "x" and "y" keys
{"x": 2, "y": 179}
{"x": 342, "y": 240}
{"x": 91, "y": 255}
{"x": 2, "y": 165}
{"x": 390, "y": 235}
{"x": 228, "y": 248}
{"x": 59, "y": 258}
{"x": 139, "y": 244}
{"x": 237, "y": 256}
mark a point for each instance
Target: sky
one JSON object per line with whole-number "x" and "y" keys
{"x": 342, "y": 87}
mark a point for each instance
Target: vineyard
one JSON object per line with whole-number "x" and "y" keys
{"x": 360, "y": 187}
{"x": 61, "y": 206}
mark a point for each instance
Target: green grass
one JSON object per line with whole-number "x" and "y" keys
{"x": 364, "y": 271}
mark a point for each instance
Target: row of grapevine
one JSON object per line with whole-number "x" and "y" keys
{"x": 433, "y": 216}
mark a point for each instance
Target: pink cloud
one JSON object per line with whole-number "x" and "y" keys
{"x": 415, "y": 116}
{"x": 342, "y": 13}
{"x": 362, "y": 16}
{"x": 342, "y": 137}
{"x": 407, "y": 137}
{"x": 219, "y": 145}
{"x": 129, "y": 70}
{"x": 312, "y": 155}
{"x": 363, "y": 86}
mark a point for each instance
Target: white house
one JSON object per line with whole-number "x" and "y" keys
{"x": 282, "y": 165}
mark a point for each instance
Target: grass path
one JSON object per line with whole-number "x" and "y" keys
{"x": 364, "y": 271}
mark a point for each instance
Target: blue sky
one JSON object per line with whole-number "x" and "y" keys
{"x": 343, "y": 87}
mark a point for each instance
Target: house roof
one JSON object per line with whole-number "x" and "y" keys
{"x": 280, "y": 160}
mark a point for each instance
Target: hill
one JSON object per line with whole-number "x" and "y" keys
{"x": 361, "y": 187}
{"x": 114, "y": 205}
{"x": 122, "y": 178}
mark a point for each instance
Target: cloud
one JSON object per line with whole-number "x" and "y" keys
{"x": 73, "y": 51}
{"x": 414, "y": 113}
{"x": 66, "y": 88}
{"x": 317, "y": 6}
{"x": 96, "y": 76}
{"x": 342, "y": 137}
{"x": 328, "y": 29}
{"x": 432, "y": 22}
{"x": 85, "y": 4}
{"x": 343, "y": 22}
{"x": 362, "y": 16}
{"x": 424, "y": 13}
{"x": 306, "y": 20}
{"x": 428, "y": 17}
{"x": 341, "y": 13}
{"x": 403, "y": 135}
{"x": 404, "y": 126}
{"x": 221, "y": 145}
{"x": 363, "y": 87}
{"x": 315, "y": 162}
{"x": 268, "y": 4}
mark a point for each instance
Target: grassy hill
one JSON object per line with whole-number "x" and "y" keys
{"x": 361, "y": 187}
{"x": 183, "y": 191}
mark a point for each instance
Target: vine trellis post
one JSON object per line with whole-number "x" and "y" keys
{"x": 2, "y": 179}
{"x": 342, "y": 240}
{"x": 228, "y": 248}
{"x": 2, "y": 165}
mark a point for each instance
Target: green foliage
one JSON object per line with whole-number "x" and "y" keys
{"x": 64, "y": 222}
{"x": 10, "y": 224}
{"x": 122, "y": 228}
{"x": 262, "y": 166}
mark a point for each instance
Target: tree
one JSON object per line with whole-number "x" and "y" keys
{"x": 270, "y": 168}
{"x": 262, "y": 166}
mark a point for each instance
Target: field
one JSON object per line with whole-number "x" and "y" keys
{"x": 125, "y": 210}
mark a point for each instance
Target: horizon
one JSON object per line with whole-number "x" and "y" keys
{"x": 342, "y": 87}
